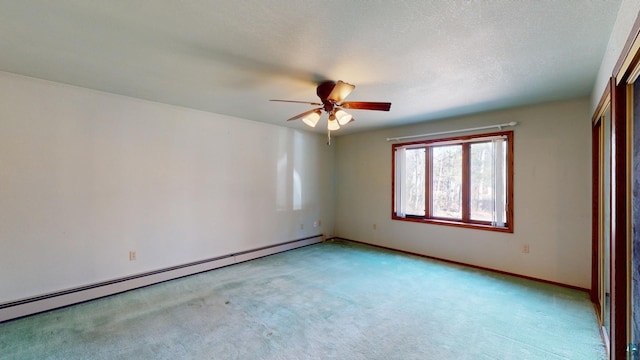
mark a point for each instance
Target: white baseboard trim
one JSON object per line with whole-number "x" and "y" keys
{"x": 37, "y": 304}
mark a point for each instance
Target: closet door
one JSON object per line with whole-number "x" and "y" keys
{"x": 604, "y": 226}
{"x": 633, "y": 131}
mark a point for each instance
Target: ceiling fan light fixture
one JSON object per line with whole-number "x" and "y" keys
{"x": 312, "y": 119}
{"x": 343, "y": 117}
{"x": 332, "y": 124}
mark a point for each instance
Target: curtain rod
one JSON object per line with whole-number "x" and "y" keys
{"x": 499, "y": 126}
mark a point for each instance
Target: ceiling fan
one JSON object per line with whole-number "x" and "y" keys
{"x": 331, "y": 95}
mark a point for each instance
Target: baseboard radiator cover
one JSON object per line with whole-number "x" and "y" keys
{"x": 36, "y": 304}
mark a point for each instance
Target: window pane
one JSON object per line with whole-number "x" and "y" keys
{"x": 482, "y": 182}
{"x": 446, "y": 188}
{"x": 503, "y": 173}
{"x": 414, "y": 182}
{"x": 486, "y": 199}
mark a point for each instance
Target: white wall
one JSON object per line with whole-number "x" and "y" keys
{"x": 87, "y": 176}
{"x": 627, "y": 15}
{"x": 552, "y": 196}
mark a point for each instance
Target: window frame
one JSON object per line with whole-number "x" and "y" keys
{"x": 465, "y": 222}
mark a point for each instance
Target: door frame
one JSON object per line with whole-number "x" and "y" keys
{"x": 600, "y": 119}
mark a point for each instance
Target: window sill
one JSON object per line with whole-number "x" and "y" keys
{"x": 454, "y": 223}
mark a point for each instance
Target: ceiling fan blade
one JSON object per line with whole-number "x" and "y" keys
{"x": 299, "y": 102}
{"x": 304, "y": 114}
{"x": 367, "y": 105}
{"x": 340, "y": 91}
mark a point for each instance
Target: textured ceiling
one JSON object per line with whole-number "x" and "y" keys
{"x": 431, "y": 59}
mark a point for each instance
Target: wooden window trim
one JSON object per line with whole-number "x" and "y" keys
{"x": 466, "y": 222}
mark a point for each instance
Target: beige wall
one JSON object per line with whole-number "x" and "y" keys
{"x": 552, "y": 196}
{"x": 87, "y": 176}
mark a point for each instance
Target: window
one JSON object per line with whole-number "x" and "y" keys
{"x": 462, "y": 181}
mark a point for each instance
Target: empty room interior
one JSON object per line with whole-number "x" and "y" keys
{"x": 319, "y": 179}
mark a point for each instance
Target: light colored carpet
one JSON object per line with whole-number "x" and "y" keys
{"x": 335, "y": 300}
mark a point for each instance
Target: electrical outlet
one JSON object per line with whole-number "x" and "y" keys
{"x": 525, "y": 248}
{"x": 315, "y": 224}
{"x": 132, "y": 255}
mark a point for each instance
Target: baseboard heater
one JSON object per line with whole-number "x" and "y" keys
{"x": 32, "y": 305}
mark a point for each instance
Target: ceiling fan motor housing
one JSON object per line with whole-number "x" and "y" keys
{"x": 324, "y": 90}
